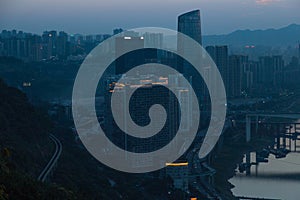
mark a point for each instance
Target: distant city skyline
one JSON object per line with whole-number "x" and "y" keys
{"x": 93, "y": 16}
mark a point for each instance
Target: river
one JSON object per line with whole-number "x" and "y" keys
{"x": 279, "y": 178}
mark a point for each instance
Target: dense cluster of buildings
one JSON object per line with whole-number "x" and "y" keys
{"x": 49, "y": 45}
{"x": 241, "y": 75}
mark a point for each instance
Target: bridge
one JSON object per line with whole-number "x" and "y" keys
{"x": 249, "y": 117}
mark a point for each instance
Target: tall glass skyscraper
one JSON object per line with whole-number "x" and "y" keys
{"x": 190, "y": 24}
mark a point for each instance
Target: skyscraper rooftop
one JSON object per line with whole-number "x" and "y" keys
{"x": 190, "y": 24}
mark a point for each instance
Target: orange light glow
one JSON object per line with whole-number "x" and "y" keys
{"x": 177, "y": 164}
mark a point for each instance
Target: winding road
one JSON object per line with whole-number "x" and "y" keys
{"x": 49, "y": 167}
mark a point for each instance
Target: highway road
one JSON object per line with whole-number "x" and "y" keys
{"x": 49, "y": 167}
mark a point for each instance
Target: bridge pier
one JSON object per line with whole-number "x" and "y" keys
{"x": 284, "y": 142}
{"x": 272, "y": 115}
{"x": 277, "y": 136}
{"x": 256, "y": 125}
{"x": 248, "y": 164}
{"x": 290, "y": 143}
{"x": 277, "y": 141}
{"x": 248, "y": 129}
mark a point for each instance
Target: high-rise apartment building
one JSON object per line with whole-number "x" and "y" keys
{"x": 236, "y": 74}
{"x": 127, "y": 61}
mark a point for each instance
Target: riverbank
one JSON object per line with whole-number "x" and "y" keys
{"x": 234, "y": 147}
{"x": 232, "y": 153}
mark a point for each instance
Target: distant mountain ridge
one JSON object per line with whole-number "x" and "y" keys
{"x": 286, "y": 36}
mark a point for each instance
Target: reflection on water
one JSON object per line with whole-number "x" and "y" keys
{"x": 273, "y": 172}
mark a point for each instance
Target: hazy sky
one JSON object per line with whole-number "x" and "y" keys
{"x": 101, "y": 16}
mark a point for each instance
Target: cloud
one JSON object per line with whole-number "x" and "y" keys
{"x": 266, "y": 2}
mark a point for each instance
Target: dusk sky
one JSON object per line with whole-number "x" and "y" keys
{"x": 99, "y": 16}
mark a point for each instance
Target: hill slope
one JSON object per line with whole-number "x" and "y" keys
{"x": 289, "y": 35}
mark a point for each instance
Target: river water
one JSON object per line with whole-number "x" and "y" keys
{"x": 277, "y": 179}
